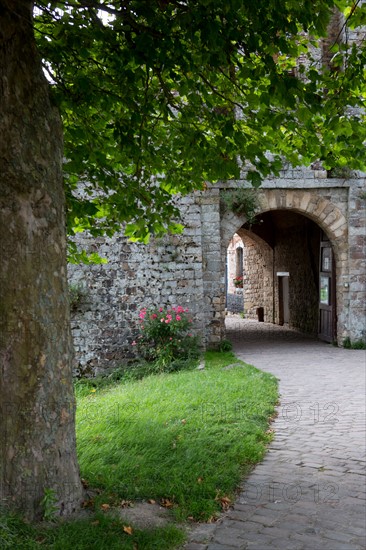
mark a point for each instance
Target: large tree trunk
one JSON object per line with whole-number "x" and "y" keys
{"x": 37, "y": 411}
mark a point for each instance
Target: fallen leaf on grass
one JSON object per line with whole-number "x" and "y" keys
{"x": 127, "y": 529}
{"x": 89, "y": 503}
{"x": 126, "y": 504}
{"x": 96, "y": 522}
{"x": 224, "y": 501}
{"x": 151, "y": 501}
{"x": 105, "y": 507}
{"x": 167, "y": 503}
{"x": 200, "y": 480}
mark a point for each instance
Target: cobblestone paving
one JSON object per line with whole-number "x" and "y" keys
{"x": 309, "y": 491}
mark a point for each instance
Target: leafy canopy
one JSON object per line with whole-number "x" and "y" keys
{"x": 158, "y": 97}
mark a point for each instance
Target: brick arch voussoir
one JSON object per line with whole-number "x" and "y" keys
{"x": 313, "y": 206}
{"x": 306, "y": 202}
{"x": 230, "y": 224}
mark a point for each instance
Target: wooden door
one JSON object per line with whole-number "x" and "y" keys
{"x": 327, "y": 303}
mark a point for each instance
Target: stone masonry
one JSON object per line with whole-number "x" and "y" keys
{"x": 189, "y": 269}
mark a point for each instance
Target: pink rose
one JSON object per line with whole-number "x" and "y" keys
{"x": 178, "y": 318}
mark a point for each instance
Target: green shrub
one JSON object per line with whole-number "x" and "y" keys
{"x": 166, "y": 340}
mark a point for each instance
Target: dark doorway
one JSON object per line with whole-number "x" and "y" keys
{"x": 283, "y": 299}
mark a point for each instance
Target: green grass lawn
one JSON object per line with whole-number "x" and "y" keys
{"x": 102, "y": 532}
{"x": 188, "y": 437}
{"x": 185, "y": 439}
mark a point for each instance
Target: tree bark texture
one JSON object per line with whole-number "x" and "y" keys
{"x": 37, "y": 406}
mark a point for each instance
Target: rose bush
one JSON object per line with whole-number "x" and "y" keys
{"x": 166, "y": 338}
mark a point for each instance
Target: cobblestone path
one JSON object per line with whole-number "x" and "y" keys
{"x": 309, "y": 491}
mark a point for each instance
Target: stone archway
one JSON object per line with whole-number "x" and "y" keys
{"x": 316, "y": 205}
{"x": 189, "y": 269}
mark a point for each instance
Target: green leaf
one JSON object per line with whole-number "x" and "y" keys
{"x": 254, "y": 178}
{"x": 150, "y": 101}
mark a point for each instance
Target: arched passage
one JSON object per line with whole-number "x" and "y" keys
{"x": 293, "y": 224}
{"x": 288, "y": 281}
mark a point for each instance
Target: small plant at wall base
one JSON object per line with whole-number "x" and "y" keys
{"x": 166, "y": 338}
{"x": 356, "y": 344}
{"x": 225, "y": 346}
{"x": 77, "y": 293}
{"x": 48, "y": 504}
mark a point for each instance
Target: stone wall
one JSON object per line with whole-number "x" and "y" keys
{"x": 189, "y": 269}
{"x": 168, "y": 271}
{"x": 258, "y": 279}
{"x": 355, "y": 292}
